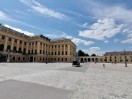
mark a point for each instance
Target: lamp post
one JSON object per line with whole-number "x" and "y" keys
{"x": 125, "y": 58}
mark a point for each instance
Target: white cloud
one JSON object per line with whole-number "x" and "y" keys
{"x": 115, "y": 12}
{"x": 51, "y": 35}
{"x": 120, "y": 13}
{"x": 36, "y": 6}
{"x": 77, "y": 41}
{"x": 94, "y": 50}
{"x": 85, "y": 25}
{"x": 20, "y": 30}
{"x": 102, "y": 29}
{"x": 3, "y": 16}
{"x": 128, "y": 41}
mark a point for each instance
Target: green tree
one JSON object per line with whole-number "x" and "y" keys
{"x": 93, "y": 55}
{"x": 86, "y": 54}
{"x": 81, "y": 53}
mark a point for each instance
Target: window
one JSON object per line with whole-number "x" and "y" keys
{"x": 23, "y": 58}
{"x": 9, "y": 39}
{"x": 15, "y": 40}
{"x": 3, "y": 37}
{"x": 65, "y": 59}
{"x": 40, "y": 51}
{"x": 18, "y": 58}
{"x": 1, "y": 47}
{"x": 62, "y": 53}
{"x": 20, "y": 50}
{"x": 13, "y": 58}
{"x": 8, "y": 47}
{"x": 24, "y": 50}
{"x": 66, "y": 45}
{"x": 20, "y": 42}
{"x": 24, "y": 43}
{"x": 35, "y": 51}
{"x": 14, "y": 48}
{"x": 66, "y": 52}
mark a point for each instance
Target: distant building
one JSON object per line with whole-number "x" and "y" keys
{"x": 109, "y": 57}
{"x": 18, "y": 47}
{"x": 118, "y": 57}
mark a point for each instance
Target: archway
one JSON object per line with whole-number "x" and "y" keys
{"x": 89, "y": 60}
{"x": 81, "y": 59}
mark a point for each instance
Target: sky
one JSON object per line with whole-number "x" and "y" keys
{"x": 95, "y": 26}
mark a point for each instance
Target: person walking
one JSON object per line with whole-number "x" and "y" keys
{"x": 104, "y": 65}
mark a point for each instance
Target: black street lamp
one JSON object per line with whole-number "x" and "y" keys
{"x": 125, "y": 58}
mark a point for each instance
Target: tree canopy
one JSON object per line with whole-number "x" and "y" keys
{"x": 93, "y": 55}
{"x": 81, "y": 53}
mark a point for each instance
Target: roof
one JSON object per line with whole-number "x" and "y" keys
{"x": 118, "y": 53}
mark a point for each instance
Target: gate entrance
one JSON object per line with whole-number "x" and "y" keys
{"x": 31, "y": 59}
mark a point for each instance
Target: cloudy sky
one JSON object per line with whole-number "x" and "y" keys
{"x": 96, "y": 26}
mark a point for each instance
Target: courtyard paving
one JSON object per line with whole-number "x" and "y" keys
{"x": 62, "y": 81}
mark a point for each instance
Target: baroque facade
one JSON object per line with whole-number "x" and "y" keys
{"x": 19, "y": 47}
{"x": 110, "y": 57}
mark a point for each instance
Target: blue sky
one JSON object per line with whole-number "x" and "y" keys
{"x": 96, "y": 26}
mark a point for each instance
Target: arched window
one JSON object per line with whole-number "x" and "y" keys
{"x": 8, "y": 47}
{"x": 20, "y": 50}
{"x": 14, "y": 48}
{"x": 24, "y": 50}
{"x": 1, "y": 47}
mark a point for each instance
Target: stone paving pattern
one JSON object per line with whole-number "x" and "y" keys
{"x": 62, "y": 81}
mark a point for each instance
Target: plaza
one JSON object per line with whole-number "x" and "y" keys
{"x": 62, "y": 81}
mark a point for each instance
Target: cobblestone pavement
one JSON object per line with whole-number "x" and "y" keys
{"x": 62, "y": 81}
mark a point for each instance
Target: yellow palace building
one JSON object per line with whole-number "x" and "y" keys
{"x": 18, "y": 47}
